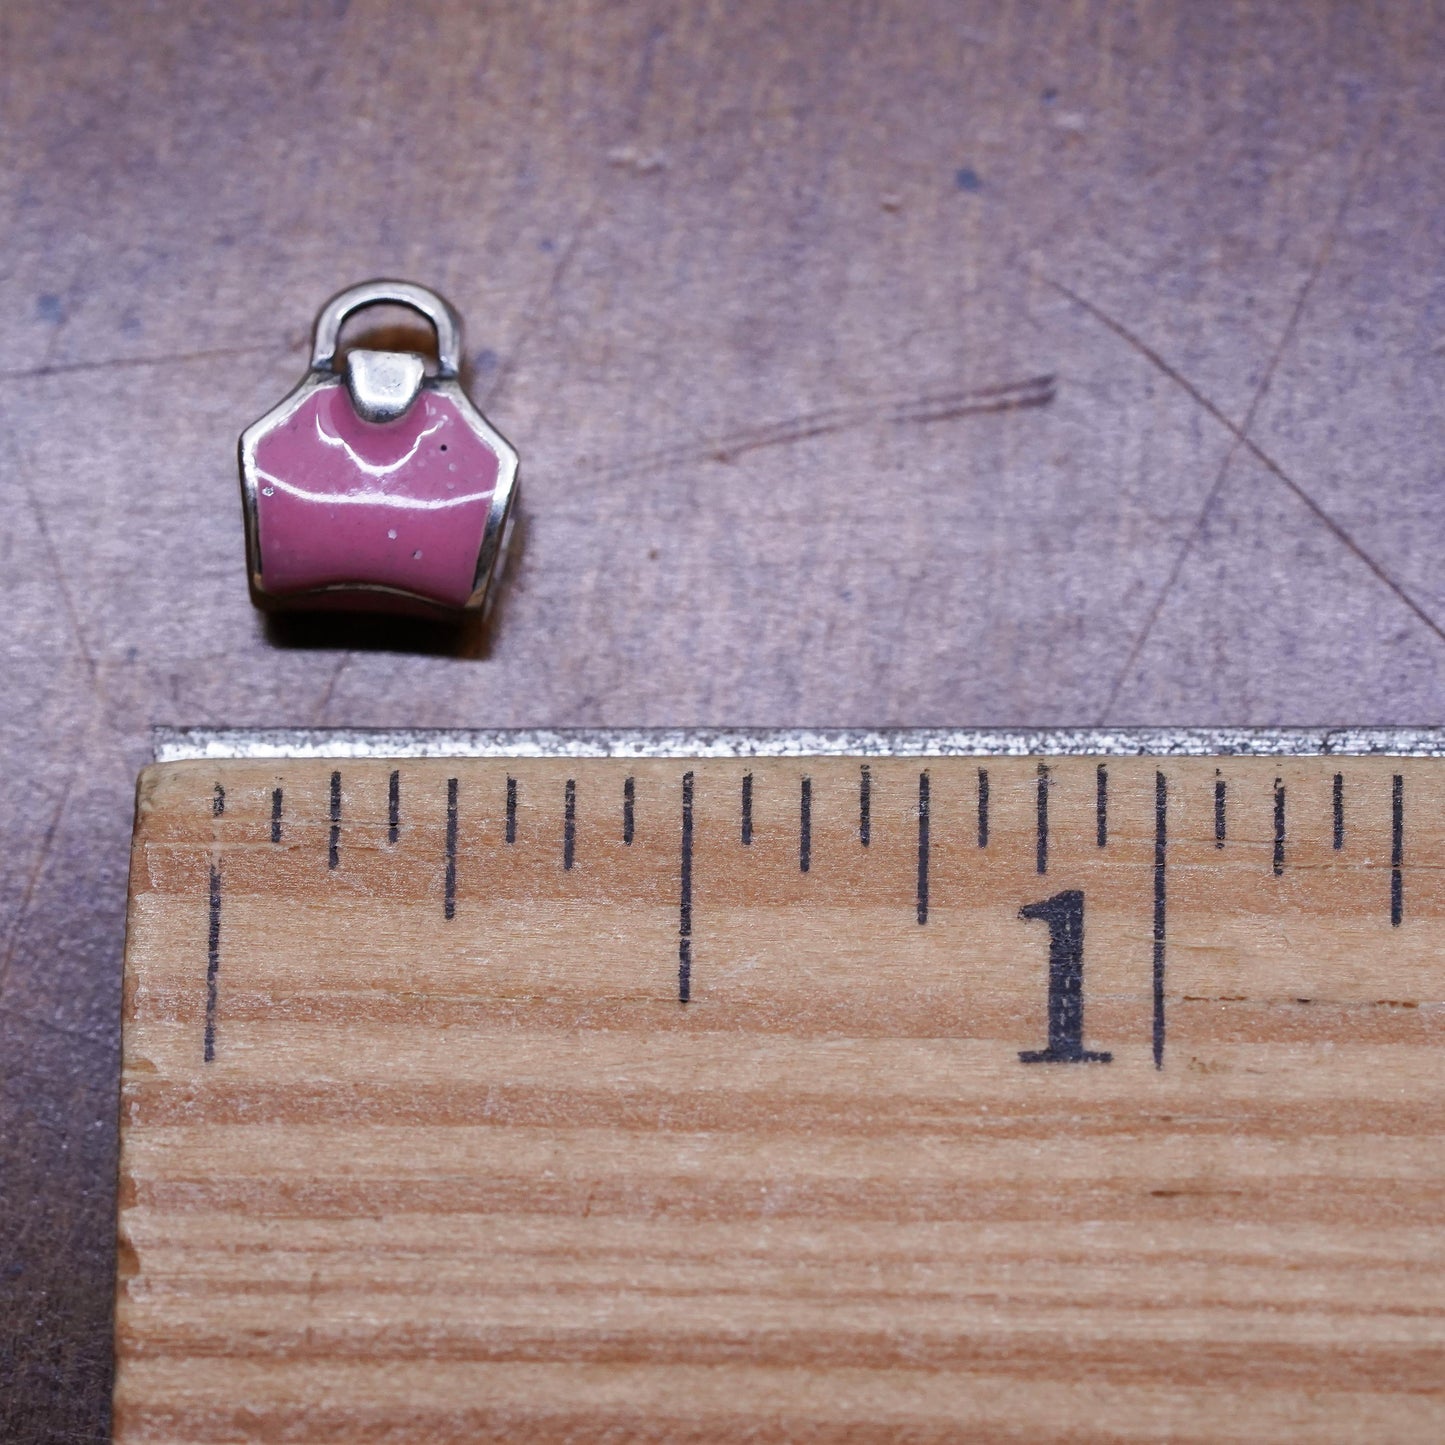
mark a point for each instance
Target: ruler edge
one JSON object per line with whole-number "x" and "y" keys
{"x": 196, "y": 744}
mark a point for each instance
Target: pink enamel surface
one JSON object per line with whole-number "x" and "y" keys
{"x": 341, "y": 500}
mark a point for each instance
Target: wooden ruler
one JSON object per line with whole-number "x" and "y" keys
{"x": 817, "y": 1098}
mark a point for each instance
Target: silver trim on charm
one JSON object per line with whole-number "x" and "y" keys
{"x": 448, "y": 326}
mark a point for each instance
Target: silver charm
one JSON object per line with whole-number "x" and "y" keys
{"x": 378, "y": 487}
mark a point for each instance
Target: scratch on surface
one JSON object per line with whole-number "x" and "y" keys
{"x": 62, "y": 584}
{"x": 905, "y": 411}
{"x": 22, "y": 911}
{"x": 324, "y": 701}
{"x": 538, "y": 308}
{"x": 108, "y": 363}
{"x": 1243, "y": 441}
{"x": 65, "y": 1031}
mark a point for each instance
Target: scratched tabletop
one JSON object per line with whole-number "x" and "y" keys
{"x": 909, "y": 363}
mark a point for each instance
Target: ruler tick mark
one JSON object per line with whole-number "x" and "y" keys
{"x": 747, "y": 810}
{"x": 1219, "y": 795}
{"x": 983, "y": 807}
{"x": 1397, "y": 850}
{"x": 218, "y": 801}
{"x": 629, "y": 800}
{"x": 1279, "y": 818}
{"x": 684, "y": 933}
{"x": 449, "y": 906}
{"x": 1161, "y": 843}
{"x": 333, "y": 847}
{"x": 1339, "y": 807}
{"x": 393, "y": 807}
{"x": 923, "y": 843}
{"x": 865, "y": 805}
{"x": 1042, "y": 858}
{"x": 1101, "y": 805}
{"x": 511, "y": 810}
{"x": 569, "y": 823}
{"x": 805, "y": 825}
{"x": 275, "y": 815}
{"x": 213, "y": 960}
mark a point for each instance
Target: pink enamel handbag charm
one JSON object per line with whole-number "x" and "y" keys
{"x": 378, "y": 486}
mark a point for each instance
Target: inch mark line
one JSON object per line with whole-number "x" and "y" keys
{"x": 684, "y": 932}
{"x": 1397, "y": 850}
{"x": 805, "y": 826}
{"x": 393, "y": 807}
{"x": 865, "y": 805}
{"x": 213, "y": 932}
{"x": 449, "y": 908}
{"x": 1101, "y": 805}
{"x": 629, "y": 802}
{"x": 333, "y": 847}
{"x": 275, "y": 815}
{"x": 1042, "y": 860}
{"x": 1219, "y": 795}
{"x": 983, "y": 807}
{"x": 1278, "y": 863}
{"x": 569, "y": 823}
{"x": 1161, "y": 843}
{"x": 511, "y": 810}
{"x": 747, "y": 810}
{"x": 213, "y": 959}
{"x": 923, "y": 843}
{"x": 1339, "y": 806}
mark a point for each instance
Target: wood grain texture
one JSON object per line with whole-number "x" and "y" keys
{"x": 740, "y": 281}
{"x": 420, "y": 1143}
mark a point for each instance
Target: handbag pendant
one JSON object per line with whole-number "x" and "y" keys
{"x": 377, "y": 487}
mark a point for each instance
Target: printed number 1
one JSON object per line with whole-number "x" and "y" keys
{"x": 1064, "y": 913}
